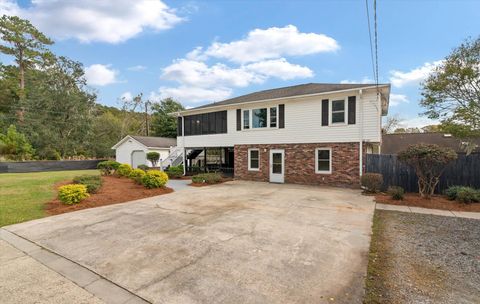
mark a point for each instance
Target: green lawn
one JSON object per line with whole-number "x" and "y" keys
{"x": 23, "y": 195}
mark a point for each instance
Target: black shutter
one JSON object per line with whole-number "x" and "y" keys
{"x": 179, "y": 126}
{"x": 239, "y": 120}
{"x": 281, "y": 116}
{"x": 351, "y": 109}
{"x": 325, "y": 112}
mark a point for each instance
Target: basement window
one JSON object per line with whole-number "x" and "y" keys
{"x": 323, "y": 160}
{"x": 253, "y": 159}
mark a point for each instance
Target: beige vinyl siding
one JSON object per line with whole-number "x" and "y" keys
{"x": 302, "y": 124}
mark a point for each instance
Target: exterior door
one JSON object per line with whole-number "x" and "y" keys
{"x": 277, "y": 166}
{"x": 138, "y": 158}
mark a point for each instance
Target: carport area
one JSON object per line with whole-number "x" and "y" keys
{"x": 238, "y": 242}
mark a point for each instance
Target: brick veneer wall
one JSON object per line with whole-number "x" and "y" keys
{"x": 300, "y": 164}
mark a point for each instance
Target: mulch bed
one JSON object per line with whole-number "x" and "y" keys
{"x": 435, "y": 202}
{"x": 205, "y": 184}
{"x": 114, "y": 190}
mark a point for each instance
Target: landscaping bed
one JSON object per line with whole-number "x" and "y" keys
{"x": 113, "y": 191}
{"x": 419, "y": 258}
{"x": 435, "y": 202}
{"x": 206, "y": 179}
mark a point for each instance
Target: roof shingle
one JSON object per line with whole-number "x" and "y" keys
{"x": 156, "y": 142}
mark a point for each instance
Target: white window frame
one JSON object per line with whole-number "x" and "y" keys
{"x": 330, "y": 110}
{"x": 249, "y": 158}
{"x": 270, "y": 117}
{"x": 250, "y": 118}
{"x": 317, "y": 171}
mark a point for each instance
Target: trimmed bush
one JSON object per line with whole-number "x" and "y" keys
{"x": 396, "y": 192}
{"x": 372, "y": 182}
{"x": 137, "y": 175}
{"x": 92, "y": 182}
{"x": 72, "y": 194}
{"x": 452, "y": 191}
{"x": 153, "y": 157}
{"x": 175, "y": 171}
{"x": 463, "y": 194}
{"x": 208, "y": 178}
{"x": 143, "y": 167}
{"x": 124, "y": 170}
{"x": 154, "y": 179}
{"x": 108, "y": 167}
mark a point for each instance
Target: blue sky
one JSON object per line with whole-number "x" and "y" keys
{"x": 146, "y": 46}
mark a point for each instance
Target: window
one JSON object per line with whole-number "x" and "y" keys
{"x": 259, "y": 118}
{"x": 207, "y": 123}
{"x": 323, "y": 160}
{"x": 273, "y": 117}
{"x": 246, "y": 119}
{"x": 253, "y": 159}
{"x": 338, "y": 111}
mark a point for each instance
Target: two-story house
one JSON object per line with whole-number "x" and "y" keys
{"x": 309, "y": 134}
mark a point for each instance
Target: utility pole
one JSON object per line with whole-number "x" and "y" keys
{"x": 146, "y": 117}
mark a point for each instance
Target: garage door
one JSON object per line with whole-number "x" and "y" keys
{"x": 138, "y": 158}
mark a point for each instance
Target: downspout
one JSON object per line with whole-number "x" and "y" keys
{"x": 361, "y": 133}
{"x": 184, "y": 150}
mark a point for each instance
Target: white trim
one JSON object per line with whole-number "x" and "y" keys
{"x": 329, "y": 161}
{"x": 249, "y": 164}
{"x": 277, "y": 177}
{"x": 330, "y": 112}
{"x": 208, "y": 109}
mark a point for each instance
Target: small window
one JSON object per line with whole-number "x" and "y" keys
{"x": 338, "y": 111}
{"x": 246, "y": 119}
{"x": 273, "y": 117}
{"x": 253, "y": 159}
{"x": 259, "y": 118}
{"x": 323, "y": 160}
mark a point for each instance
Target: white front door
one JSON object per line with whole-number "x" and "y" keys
{"x": 277, "y": 166}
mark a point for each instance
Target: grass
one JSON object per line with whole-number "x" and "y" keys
{"x": 23, "y": 195}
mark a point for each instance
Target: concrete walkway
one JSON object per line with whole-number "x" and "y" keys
{"x": 472, "y": 215}
{"x": 178, "y": 184}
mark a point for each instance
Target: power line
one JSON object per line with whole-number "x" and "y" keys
{"x": 376, "y": 37}
{"x": 370, "y": 40}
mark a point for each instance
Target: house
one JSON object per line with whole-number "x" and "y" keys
{"x": 312, "y": 133}
{"x": 133, "y": 150}
{"x": 394, "y": 143}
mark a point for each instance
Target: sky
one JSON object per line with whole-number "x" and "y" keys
{"x": 203, "y": 51}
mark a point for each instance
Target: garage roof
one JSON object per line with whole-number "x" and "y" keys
{"x": 150, "y": 141}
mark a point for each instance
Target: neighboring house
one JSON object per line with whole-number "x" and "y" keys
{"x": 310, "y": 134}
{"x": 394, "y": 143}
{"x": 133, "y": 150}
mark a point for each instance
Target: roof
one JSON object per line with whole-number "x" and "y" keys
{"x": 394, "y": 143}
{"x": 296, "y": 90}
{"x": 150, "y": 141}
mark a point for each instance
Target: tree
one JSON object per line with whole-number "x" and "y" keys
{"x": 452, "y": 92}
{"x": 24, "y": 42}
{"x": 14, "y": 145}
{"x": 163, "y": 123}
{"x": 391, "y": 123}
{"x": 153, "y": 157}
{"x": 131, "y": 124}
{"x": 429, "y": 162}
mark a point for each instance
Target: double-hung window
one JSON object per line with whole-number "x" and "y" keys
{"x": 253, "y": 159}
{"x": 323, "y": 160}
{"x": 338, "y": 114}
{"x": 259, "y": 118}
{"x": 273, "y": 117}
{"x": 246, "y": 119}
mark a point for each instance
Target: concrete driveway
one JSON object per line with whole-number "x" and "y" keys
{"x": 238, "y": 242}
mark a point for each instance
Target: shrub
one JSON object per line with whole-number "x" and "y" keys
{"x": 72, "y": 194}
{"x": 452, "y": 191}
{"x": 396, "y": 192}
{"x": 468, "y": 195}
{"x": 124, "y": 170}
{"x": 153, "y": 157}
{"x": 143, "y": 167}
{"x": 92, "y": 182}
{"x": 175, "y": 171}
{"x": 108, "y": 167}
{"x": 429, "y": 161}
{"x": 137, "y": 175}
{"x": 208, "y": 178}
{"x": 154, "y": 179}
{"x": 372, "y": 182}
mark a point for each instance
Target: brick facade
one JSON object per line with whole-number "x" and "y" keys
{"x": 300, "y": 164}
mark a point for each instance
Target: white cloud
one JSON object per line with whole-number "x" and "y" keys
{"x": 271, "y": 43}
{"x": 100, "y": 75}
{"x": 111, "y": 21}
{"x": 418, "y": 122}
{"x": 365, "y": 79}
{"x": 137, "y": 68}
{"x": 415, "y": 76}
{"x": 191, "y": 94}
{"x": 127, "y": 96}
{"x": 396, "y": 99}
{"x": 279, "y": 68}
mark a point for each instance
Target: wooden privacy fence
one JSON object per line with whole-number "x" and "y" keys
{"x": 464, "y": 171}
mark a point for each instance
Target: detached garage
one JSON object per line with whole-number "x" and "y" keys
{"x": 133, "y": 150}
